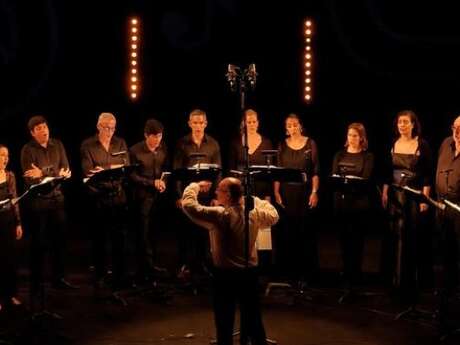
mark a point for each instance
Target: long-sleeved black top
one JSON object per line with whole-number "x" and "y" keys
{"x": 151, "y": 164}
{"x": 448, "y": 171}
{"x": 50, "y": 159}
{"x": 185, "y": 147}
{"x": 93, "y": 154}
{"x": 8, "y": 191}
{"x": 416, "y": 167}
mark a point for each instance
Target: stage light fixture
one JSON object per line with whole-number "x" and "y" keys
{"x": 134, "y": 37}
{"x": 308, "y": 57}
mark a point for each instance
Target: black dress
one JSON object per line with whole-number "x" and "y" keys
{"x": 9, "y": 219}
{"x": 261, "y": 188}
{"x": 406, "y": 245}
{"x": 296, "y": 241}
{"x": 351, "y": 206}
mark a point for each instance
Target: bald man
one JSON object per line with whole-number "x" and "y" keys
{"x": 233, "y": 281}
{"x": 448, "y": 187}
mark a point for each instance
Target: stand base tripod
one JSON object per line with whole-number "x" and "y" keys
{"x": 299, "y": 291}
{"x": 413, "y": 313}
{"x": 248, "y": 342}
{"x": 41, "y": 326}
{"x": 351, "y": 294}
{"x": 153, "y": 289}
{"x": 447, "y": 328}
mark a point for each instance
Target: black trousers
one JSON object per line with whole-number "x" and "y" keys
{"x": 109, "y": 225}
{"x": 352, "y": 228}
{"x": 295, "y": 245}
{"x": 404, "y": 251}
{"x": 450, "y": 244}
{"x": 193, "y": 243}
{"x": 146, "y": 234}
{"x": 8, "y": 264}
{"x": 449, "y": 222}
{"x": 48, "y": 230}
{"x": 232, "y": 287}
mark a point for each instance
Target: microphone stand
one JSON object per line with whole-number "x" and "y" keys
{"x": 413, "y": 312}
{"x": 238, "y": 82}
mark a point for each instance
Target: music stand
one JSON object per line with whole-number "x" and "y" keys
{"x": 345, "y": 183}
{"x": 47, "y": 185}
{"x": 413, "y": 312}
{"x": 270, "y": 173}
{"x": 151, "y": 285}
{"x": 197, "y": 172}
{"x": 202, "y": 172}
{"x": 109, "y": 176}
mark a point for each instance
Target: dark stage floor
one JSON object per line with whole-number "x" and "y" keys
{"x": 185, "y": 318}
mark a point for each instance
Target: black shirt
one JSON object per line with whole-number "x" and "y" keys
{"x": 354, "y": 195}
{"x": 255, "y": 158}
{"x": 50, "y": 159}
{"x": 260, "y": 188}
{"x": 358, "y": 164}
{"x": 151, "y": 164}
{"x": 448, "y": 171}
{"x": 93, "y": 154}
{"x": 8, "y": 191}
{"x": 186, "y": 146}
{"x": 305, "y": 158}
{"x": 417, "y": 167}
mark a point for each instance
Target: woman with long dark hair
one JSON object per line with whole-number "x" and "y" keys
{"x": 297, "y": 240}
{"x": 411, "y": 165}
{"x": 10, "y": 231}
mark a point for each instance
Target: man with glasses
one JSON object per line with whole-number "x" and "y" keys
{"x": 108, "y": 199}
{"x": 448, "y": 188}
{"x": 234, "y": 279}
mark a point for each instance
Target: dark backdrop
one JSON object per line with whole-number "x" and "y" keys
{"x": 67, "y": 60}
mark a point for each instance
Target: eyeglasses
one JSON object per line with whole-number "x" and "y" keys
{"x": 108, "y": 129}
{"x": 455, "y": 128}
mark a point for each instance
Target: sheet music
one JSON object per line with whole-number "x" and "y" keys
{"x": 165, "y": 175}
{"x": 350, "y": 177}
{"x": 112, "y": 167}
{"x": 453, "y": 205}
{"x": 412, "y": 190}
{"x": 4, "y": 202}
{"x": 204, "y": 166}
{"x": 264, "y": 166}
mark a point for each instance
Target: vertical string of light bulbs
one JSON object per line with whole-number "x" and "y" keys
{"x": 308, "y": 61}
{"x": 134, "y": 38}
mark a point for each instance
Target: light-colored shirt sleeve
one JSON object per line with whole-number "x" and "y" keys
{"x": 206, "y": 216}
{"x": 264, "y": 215}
